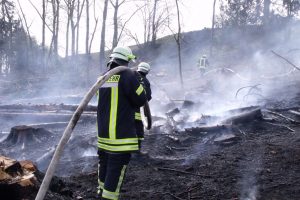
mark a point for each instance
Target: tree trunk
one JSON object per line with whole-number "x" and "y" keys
{"x": 67, "y": 37}
{"x": 115, "y": 36}
{"x": 179, "y": 44}
{"x": 79, "y": 12}
{"x": 57, "y": 27}
{"x": 77, "y": 26}
{"x": 43, "y": 35}
{"x": 266, "y": 11}
{"x": 72, "y": 37}
{"x": 102, "y": 44}
{"x": 87, "y": 34}
{"x": 55, "y": 23}
{"x": 87, "y": 38}
{"x": 72, "y": 6}
{"x": 153, "y": 23}
{"x": 212, "y": 28}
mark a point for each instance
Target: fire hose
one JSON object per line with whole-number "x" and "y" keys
{"x": 71, "y": 125}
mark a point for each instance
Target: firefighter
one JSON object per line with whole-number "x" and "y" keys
{"x": 118, "y": 99}
{"x": 141, "y": 73}
{"x": 202, "y": 64}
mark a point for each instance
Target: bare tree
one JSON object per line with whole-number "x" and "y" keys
{"x": 213, "y": 27}
{"x": 154, "y": 31}
{"x": 102, "y": 42}
{"x": 43, "y": 33}
{"x": 88, "y": 40}
{"x": 154, "y": 19}
{"x": 178, "y": 42}
{"x": 80, "y": 7}
{"x": 87, "y": 33}
{"x": 55, "y": 26}
{"x": 266, "y": 11}
{"x": 116, "y": 6}
{"x": 25, "y": 23}
{"x": 96, "y": 19}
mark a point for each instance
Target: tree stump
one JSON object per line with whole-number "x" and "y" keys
{"x": 26, "y": 135}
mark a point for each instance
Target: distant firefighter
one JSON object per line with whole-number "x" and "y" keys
{"x": 203, "y": 64}
{"x": 141, "y": 73}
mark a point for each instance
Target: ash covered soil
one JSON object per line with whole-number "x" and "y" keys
{"x": 256, "y": 159}
{"x": 261, "y": 161}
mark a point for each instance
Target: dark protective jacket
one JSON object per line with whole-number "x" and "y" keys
{"x": 118, "y": 99}
{"x": 138, "y": 119}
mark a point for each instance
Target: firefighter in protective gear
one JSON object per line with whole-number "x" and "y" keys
{"x": 202, "y": 64}
{"x": 118, "y": 99}
{"x": 141, "y": 73}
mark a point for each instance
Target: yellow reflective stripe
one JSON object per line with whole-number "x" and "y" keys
{"x": 139, "y": 90}
{"x": 110, "y": 195}
{"x": 132, "y": 147}
{"x": 113, "y": 112}
{"x": 100, "y": 186}
{"x": 118, "y": 141}
{"x": 138, "y": 116}
{"x": 121, "y": 178}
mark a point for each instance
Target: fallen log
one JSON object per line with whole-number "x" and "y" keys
{"x": 46, "y": 107}
{"x": 49, "y": 125}
{"x": 182, "y": 172}
{"x": 207, "y": 129}
{"x": 244, "y": 117}
{"x": 41, "y": 117}
{"x": 283, "y": 109}
{"x": 295, "y": 112}
{"x": 288, "y": 128}
{"x": 284, "y": 117}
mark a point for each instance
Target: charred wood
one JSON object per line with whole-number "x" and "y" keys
{"x": 284, "y": 117}
{"x": 284, "y": 109}
{"x": 295, "y": 112}
{"x": 17, "y": 179}
{"x": 206, "y": 129}
{"x": 49, "y": 125}
{"x": 44, "y": 117}
{"x": 174, "y": 196}
{"x": 288, "y": 128}
{"x": 182, "y": 172}
{"x": 226, "y": 139}
{"x": 244, "y": 117}
{"x": 240, "y": 110}
{"x": 47, "y": 107}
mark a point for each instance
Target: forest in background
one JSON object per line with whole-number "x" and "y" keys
{"x": 240, "y": 30}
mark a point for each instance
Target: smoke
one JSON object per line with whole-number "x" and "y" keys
{"x": 243, "y": 70}
{"x": 248, "y": 183}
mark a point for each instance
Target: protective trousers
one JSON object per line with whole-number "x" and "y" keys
{"x": 111, "y": 172}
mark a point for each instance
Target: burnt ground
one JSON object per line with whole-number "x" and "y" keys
{"x": 260, "y": 159}
{"x": 261, "y": 162}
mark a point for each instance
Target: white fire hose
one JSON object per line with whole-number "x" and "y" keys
{"x": 72, "y": 123}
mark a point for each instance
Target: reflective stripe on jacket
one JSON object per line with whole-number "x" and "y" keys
{"x": 118, "y": 99}
{"x": 138, "y": 119}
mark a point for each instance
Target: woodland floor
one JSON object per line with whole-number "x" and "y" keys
{"x": 261, "y": 163}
